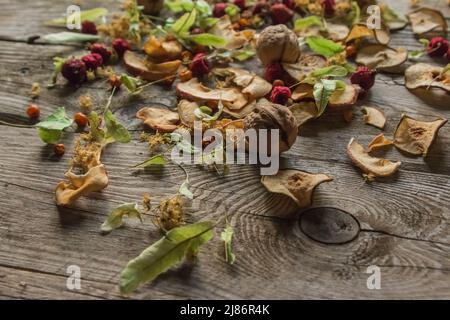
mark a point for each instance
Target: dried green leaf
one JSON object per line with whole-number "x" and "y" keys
{"x": 69, "y": 37}
{"x": 164, "y": 254}
{"x": 115, "y": 129}
{"x": 115, "y": 218}
{"x": 227, "y": 236}
{"x": 50, "y": 130}
{"x": 324, "y": 46}
{"x": 305, "y": 23}
{"x": 208, "y": 39}
{"x": 157, "y": 160}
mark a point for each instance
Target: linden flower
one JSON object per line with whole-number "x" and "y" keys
{"x": 85, "y": 102}
{"x": 170, "y": 213}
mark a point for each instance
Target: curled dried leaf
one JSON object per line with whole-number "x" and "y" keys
{"x": 252, "y": 85}
{"x": 374, "y": 117}
{"x": 296, "y": 184}
{"x": 378, "y": 142}
{"x": 304, "y": 111}
{"x": 159, "y": 119}
{"x": 381, "y": 57}
{"x": 423, "y": 75}
{"x": 231, "y": 98}
{"x": 306, "y": 64}
{"x": 165, "y": 50}
{"x": 415, "y": 137}
{"x": 424, "y": 20}
{"x": 147, "y": 70}
{"x": 371, "y": 166}
{"x": 94, "y": 180}
{"x": 186, "y": 112}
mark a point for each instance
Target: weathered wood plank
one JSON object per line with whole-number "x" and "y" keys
{"x": 404, "y": 220}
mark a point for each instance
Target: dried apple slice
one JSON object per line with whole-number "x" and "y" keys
{"x": 232, "y": 98}
{"x": 381, "y": 57}
{"x": 94, "y": 180}
{"x": 241, "y": 113}
{"x": 344, "y": 98}
{"x": 304, "y": 111}
{"x": 374, "y": 117}
{"x": 371, "y": 166}
{"x": 186, "y": 112}
{"x": 164, "y": 50}
{"x": 305, "y": 65}
{"x": 424, "y": 20}
{"x": 159, "y": 119}
{"x": 360, "y": 30}
{"x": 378, "y": 142}
{"x": 235, "y": 39}
{"x": 296, "y": 184}
{"x": 149, "y": 71}
{"x": 423, "y": 75}
{"x": 415, "y": 137}
{"x": 252, "y": 85}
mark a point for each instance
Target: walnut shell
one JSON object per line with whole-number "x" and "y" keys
{"x": 274, "y": 116}
{"x": 277, "y": 44}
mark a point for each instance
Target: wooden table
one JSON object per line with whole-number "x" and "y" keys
{"x": 403, "y": 224}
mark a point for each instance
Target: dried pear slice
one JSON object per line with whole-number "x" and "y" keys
{"x": 371, "y": 166}
{"x": 305, "y": 65}
{"x": 304, "y": 111}
{"x": 415, "y": 137}
{"x": 378, "y": 142}
{"x": 423, "y": 75}
{"x": 374, "y": 117}
{"x": 296, "y": 184}
{"x": 159, "y": 119}
{"x": 381, "y": 57}
{"x": 424, "y": 20}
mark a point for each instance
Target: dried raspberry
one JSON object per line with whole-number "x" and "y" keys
{"x": 273, "y": 72}
{"x": 219, "y": 9}
{"x": 120, "y": 46}
{"x": 199, "y": 65}
{"x": 240, "y": 4}
{"x": 92, "y": 61}
{"x": 101, "y": 50}
{"x": 88, "y": 27}
{"x": 290, "y": 4}
{"x": 328, "y": 7}
{"x": 261, "y": 6}
{"x": 364, "y": 77}
{"x": 437, "y": 47}
{"x": 196, "y": 31}
{"x": 74, "y": 70}
{"x": 280, "y": 13}
{"x": 280, "y": 95}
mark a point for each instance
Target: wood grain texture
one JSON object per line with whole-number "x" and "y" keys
{"x": 404, "y": 220}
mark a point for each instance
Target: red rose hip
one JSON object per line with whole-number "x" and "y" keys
{"x": 364, "y": 77}
{"x": 74, "y": 70}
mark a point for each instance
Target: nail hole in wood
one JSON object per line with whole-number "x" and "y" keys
{"x": 329, "y": 225}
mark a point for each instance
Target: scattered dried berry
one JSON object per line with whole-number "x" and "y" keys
{"x": 120, "y": 46}
{"x": 59, "y": 149}
{"x": 33, "y": 111}
{"x": 115, "y": 82}
{"x": 74, "y": 70}
{"x": 80, "y": 119}
{"x": 350, "y": 51}
{"x": 260, "y": 7}
{"x": 219, "y": 9}
{"x": 278, "y": 83}
{"x": 328, "y": 7}
{"x": 240, "y": 4}
{"x": 101, "y": 50}
{"x": 280, "y": 13}
{"x": 290, "y": 4}
{"x": 280, "y": 95}
{"x": 196, "y": 30}
{"x": 437, "y": 47}
{"x": 199, "y": 65}
{"x": 273, "y": 71}
{"x": 185, "y": 75}
{"x": 88, "y": 27}
{"x": 92, "y": 61}
{"x": 364, "y": 77}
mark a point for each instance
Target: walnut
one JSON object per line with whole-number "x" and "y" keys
{"x": 274, "y": 116}
{"x": 277, "y": 44}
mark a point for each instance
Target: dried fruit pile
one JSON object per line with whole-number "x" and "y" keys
{"x": 315, "y": 56}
